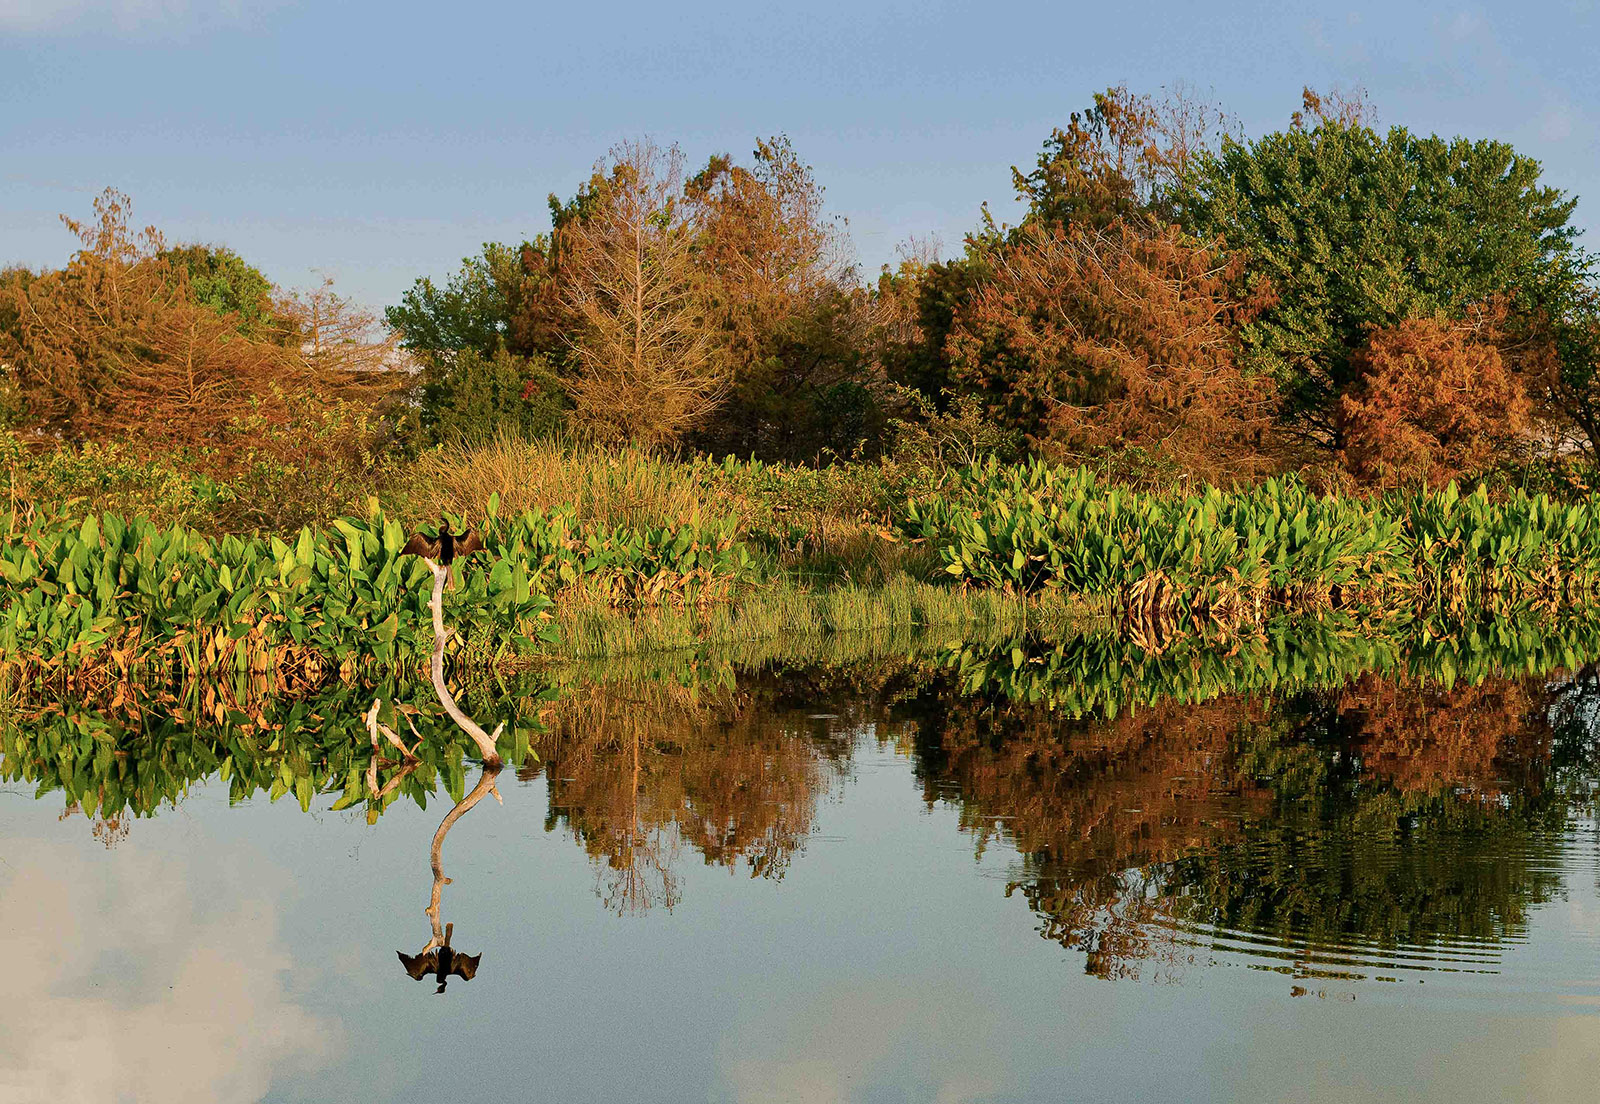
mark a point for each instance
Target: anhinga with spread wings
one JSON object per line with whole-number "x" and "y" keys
{"x": 443, "y": 962}
{"x": 445, "y": 547}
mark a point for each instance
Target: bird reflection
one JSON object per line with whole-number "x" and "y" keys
{"x": 438, "y": 957}
{"x": 444, "y": 962}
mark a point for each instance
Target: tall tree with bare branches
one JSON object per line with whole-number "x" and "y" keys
{"x": 645, "y": 364}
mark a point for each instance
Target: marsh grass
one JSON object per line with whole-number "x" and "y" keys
{"x": 784, "y": 621}
{"x": 777, "y": 503}
{"x": 617, "y": 486}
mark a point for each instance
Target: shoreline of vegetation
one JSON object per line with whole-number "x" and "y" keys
{"x": 1206, "y": 382}
{"x": 115, "y": 750}
{"x": 795, "y": 551}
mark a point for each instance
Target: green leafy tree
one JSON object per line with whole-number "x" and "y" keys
{"x": 473, "y": 398}
{"x": 223, "y": 281}
{"x": 1564, "y": 331}
{"x": 473, "y": 310}
{"x": 1358, "y": 230}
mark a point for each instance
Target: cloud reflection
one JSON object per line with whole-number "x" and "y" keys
{"x": 127, "y": 983}
{"x": 847, "y": 1045}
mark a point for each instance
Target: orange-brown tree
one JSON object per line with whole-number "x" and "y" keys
{"x": 645, "y": 364}
{"x": 1091, "y": 339}
{"x": 789, "y": 321}
{"x": 1122, "y": 158}
{"x": 116, "y": 344}
{"x": 1432, "y": 401}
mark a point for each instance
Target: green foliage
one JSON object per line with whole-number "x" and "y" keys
{"x": 472, "y": 397}
{"x": 472, "y": 311}
{"x": 959, "y": 435}
{"x": 109, "y": 476}
{"x": 76, "y": 593}
{"x": 1104, "y": 675}
{"x": 1039, "y": 526}
{"x": 807, "y": 394}
{"x": 114, "y": 765}
{"x": 106, "y": 590}
{"x": 1471, "y": 547}
{"x": 1566, "y": 293}
{"x": 223, "y": 281}
{"x": 936, "y": 292}
{"x": 1353, "y": 230}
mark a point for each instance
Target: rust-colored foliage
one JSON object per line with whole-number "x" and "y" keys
{"x": 1433, "y": 401}
{"x": 788, "y": 321}
{"x": 638, "y": 772}
{"x": 1117, "y": 338}
{"x": 644, "y": 354}
{"x": 1092, "y": 805}
{"x": 765, "y": 246}
{"x": 1422, "y": 739}
{"x": 116, "y": 345}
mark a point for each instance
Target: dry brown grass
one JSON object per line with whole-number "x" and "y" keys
{"x": 619, "y": 486}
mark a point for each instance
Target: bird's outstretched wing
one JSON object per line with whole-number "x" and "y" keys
{"x": 419, "y": 966}
{"x": 468, "y": 543}
{"x": 423, "y": 545}
{"x": 465, "y": 966}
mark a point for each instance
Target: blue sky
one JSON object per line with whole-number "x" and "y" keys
{"x": 376, "y": 142}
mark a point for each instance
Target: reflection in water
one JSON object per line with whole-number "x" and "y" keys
{"x": 438, "y": 957}
{"x": 1384, "y": 826}
{"x": 1311, "y": 801}
{"x": 637, "y": 773}
{"x": 441, "y": 960}
{"x": 140, "y": 753}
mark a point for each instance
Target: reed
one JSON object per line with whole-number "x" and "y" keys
{"x": 895, "y": 618}
{"x": 607, "y": 486}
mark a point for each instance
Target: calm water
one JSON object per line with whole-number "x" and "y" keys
{"x": 875, "y": 881}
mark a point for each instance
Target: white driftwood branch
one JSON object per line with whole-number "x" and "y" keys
{"x": 410, "y": 754}
{"x": 374, "y": 726}
{"x": 486, "y": 743}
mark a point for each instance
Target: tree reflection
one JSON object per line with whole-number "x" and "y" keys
{"x": 639, "y": 773}
{"x": 1387, "y": 813}
{"x": 1324, "y": 793}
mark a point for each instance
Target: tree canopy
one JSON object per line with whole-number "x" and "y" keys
{"x": 1356, "y": 230}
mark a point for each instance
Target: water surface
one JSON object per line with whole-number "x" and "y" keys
{"x": 979, "y": 875}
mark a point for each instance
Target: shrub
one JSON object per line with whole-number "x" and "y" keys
{"x": 469, "y": 397}
{"x": 1431, "y": 403}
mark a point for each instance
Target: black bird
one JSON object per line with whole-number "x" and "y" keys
{"x": 445, "y": 547}
{"x": 442, "y": 962}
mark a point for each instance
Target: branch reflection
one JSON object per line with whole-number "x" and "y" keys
{"x": 438, "y": 957}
